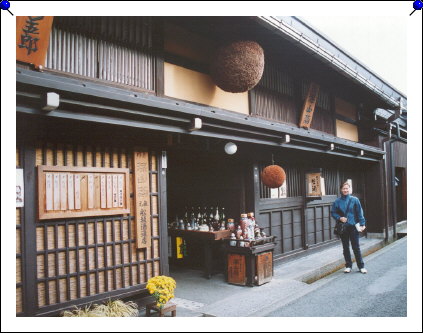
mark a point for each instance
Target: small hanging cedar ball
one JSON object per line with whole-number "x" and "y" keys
{"x": 238, "y": 67}
{"x": 273, "y": 176}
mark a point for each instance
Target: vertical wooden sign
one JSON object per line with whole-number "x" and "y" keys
{"x": 109, "y": 191}
{"x": 49, "y": 191}
{"x": 115, "y": 191}
{"x": 32, "y": 37}
{"x": 63, "y": 191}
{"x": 56, "y": 192}
{"x": 142, "y": 199}
{"x": 71, "y": 193}
{"x": 103, "y": 191}
{"x": 77, "y": 192}
{"x": 309, "y": 105}
{"x": 120, "y": 190}
{"x": 90, "y": 190}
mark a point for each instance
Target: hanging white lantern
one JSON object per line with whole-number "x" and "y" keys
{"x": 230, "y": 148}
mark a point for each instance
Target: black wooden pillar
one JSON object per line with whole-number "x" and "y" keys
{"x": 256, "y": 189}
{"x": 30, "y": 297}
{"x": 164, "y": 258}
{"x": 304, "y": 221}
{"x": 158, "y": 45}
{"x": 375, "y": 197}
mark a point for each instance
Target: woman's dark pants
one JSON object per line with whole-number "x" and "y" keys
{"x": 352, "y": 235}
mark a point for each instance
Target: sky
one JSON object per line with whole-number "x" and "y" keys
{"x": 377, "y": 42}
{"x": 383, "y": 24}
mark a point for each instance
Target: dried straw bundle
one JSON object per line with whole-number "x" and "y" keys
{"x": 80, "y": 312}
{"x": 109, "y": 309}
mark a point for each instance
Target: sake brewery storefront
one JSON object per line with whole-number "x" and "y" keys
{"x": 115, "y": 138}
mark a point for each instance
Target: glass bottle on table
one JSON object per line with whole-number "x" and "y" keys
{"x": 205, "y": 216}
{"x": 243, "y": 222}
{"x": 185, "y": 219}
{"x": 216, "y": 220}
{"x": 199, "y": 217}
{"x": 241, "y": 243}
{"x": 205, "y": 219}
{"x": 238, "y": 233}
{"x": 233, "y": 240}
{"x": 211, "y": 215}
{"x": 192, "y": 219}
{"x": 231, "y": 225}
{"x": 223, "y": 220}
{"x": 251, "y": 224}
{"x": 211, "y": 219}
{"x": 252, "y": 219}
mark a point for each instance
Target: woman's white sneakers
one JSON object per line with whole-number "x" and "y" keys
{"x": 361, "y": 270}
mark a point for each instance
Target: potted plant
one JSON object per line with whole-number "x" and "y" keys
{"x": 161, "y": 288}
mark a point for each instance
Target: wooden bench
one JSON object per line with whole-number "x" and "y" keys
{"x": 169, "y": 307}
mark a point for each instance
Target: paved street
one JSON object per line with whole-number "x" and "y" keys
{"x": 380, "y": 293}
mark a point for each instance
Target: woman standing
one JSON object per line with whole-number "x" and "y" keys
{"x": 347, "y": 209}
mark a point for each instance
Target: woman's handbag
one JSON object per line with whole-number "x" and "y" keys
{"x": 341, "y": 227}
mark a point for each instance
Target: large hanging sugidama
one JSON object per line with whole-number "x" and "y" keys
{"x": 273, "y": 176}
{"x": 238, "y": 66}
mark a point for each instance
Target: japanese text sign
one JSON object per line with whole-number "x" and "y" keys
{"x": 309, "y": 105}
{"x": 32, "y": 37}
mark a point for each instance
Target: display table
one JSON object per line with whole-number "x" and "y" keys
{"x": 208, "y": 240}
{"x": 249, "y": 265}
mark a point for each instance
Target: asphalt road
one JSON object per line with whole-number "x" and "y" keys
{"x": 382, "y": 292}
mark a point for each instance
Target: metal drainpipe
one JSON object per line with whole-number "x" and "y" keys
{"x": 393, "y": 191}
{"x": 385, "y": 185}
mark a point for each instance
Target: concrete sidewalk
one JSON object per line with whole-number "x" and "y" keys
{"x": 197, "y": 296}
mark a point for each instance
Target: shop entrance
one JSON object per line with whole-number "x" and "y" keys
{"x": 202, "y": 182}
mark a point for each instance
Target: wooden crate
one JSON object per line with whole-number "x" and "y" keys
{"x": 264, "y": 267}
{"x": 237, "y": 273}
{"x": 249, "y": 265}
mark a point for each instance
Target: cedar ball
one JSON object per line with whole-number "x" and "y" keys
{"x": 238, "y": 66}
{"x": 273, "y": 176}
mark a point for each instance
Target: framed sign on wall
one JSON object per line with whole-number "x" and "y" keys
{"x": 65, "y": 192}
{"x": 314, "y": 184}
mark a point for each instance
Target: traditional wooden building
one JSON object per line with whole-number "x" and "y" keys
{"x": 110, "y": 150}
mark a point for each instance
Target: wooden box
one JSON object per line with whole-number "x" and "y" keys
{"x": 250, "y": 265}
{"x": 264, "y": 267}
{"x": 237, "y": 273}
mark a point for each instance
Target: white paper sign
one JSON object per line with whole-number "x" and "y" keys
{"x": 322, "y": 184}
{"x": 282, "y": 191}
{"x": 274, "y": 193}
{"x": 349, "y": 181}
{"x": 19, "y": 188}
{"x": 49, "y": 191}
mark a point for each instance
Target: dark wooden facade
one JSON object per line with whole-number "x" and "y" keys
{"x": 80, "y": 260}
{"x": 110, "y": 75}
